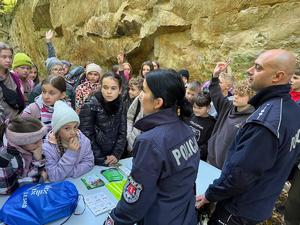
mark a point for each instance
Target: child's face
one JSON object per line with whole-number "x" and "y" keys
{"x": 184, "y": 80}
{"x": 32, "y": 74}
{"x": 200, "y": 111}
{"x": 93, "y": 77}
{"x": 240, "y": 101}
{"x": 190, "y": 94}
{"x": 68, "y": 131}
{"x": 50, "y": 94}
{"x": 57, "y": 70}
{"x": 23, "y": 71}
{"x": 5, "y": 59}
{"x": 110, "y": 89}
{"x": 224, "y": 85}
{"x": 33, "y": 147}
{"x": 155, "y": 66}
{"x": 66, "y": 69}
{"x": 146, "y": 69}
{"x": 133, "y": 91}
{"x": 126, "y": 68}
{"x": 295, "y": 82}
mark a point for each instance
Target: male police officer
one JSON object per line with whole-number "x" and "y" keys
{"x": 265, "y": 148}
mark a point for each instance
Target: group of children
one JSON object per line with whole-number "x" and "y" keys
{"x": 54, "y": 139}
{"x": 68, "y": 127}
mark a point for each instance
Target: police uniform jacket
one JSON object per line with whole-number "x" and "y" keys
{"x": 160, "y": 188}
{"x": 261, "y": 157}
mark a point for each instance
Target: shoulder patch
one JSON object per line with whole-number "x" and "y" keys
{"x": 268, "y": 115}
{"x": 132, "y": 190}
{"x": 109, "y": 221}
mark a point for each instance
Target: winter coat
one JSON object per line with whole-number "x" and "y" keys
{"x": 83, "y": 91}
{"x": 105, "y": 125}
{"x": 134, "y": 114}
{"x": 71, "y": 163}
{"x": 12, "y": 82}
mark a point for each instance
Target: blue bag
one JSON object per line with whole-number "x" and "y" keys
{"x": 40, "y": 203}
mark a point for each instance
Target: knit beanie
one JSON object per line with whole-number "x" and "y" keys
{"x": 50, "y": 62}
{"x": 93, "y": 68}
{"x": 21, "y": 59}
{"x": 62, "y": 115}
{"x": 67, "y": 63}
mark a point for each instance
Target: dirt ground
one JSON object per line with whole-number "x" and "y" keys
{"x": 277, "y": 215}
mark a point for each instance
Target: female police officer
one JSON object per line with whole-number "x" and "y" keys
{"x": 160, "y": 188}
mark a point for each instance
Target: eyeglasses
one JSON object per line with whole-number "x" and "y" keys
{"x": 57, "y": 69}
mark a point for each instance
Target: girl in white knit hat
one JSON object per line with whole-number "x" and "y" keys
{"x": 68, "y": 151}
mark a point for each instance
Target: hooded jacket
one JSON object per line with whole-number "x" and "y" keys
{"x": 228, "y": 122}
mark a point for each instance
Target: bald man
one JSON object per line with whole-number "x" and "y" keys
{"x": 265, "y": 148}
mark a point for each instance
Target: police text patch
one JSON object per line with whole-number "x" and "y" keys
{"x": 185, "y": 151}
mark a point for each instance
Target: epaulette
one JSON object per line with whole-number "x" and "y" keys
{"x": 269, "y": 115}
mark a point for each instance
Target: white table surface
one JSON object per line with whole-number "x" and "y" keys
{"x": 206, "y": 175}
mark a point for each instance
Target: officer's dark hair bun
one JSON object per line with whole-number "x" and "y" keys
{"x": 169, "y": 86}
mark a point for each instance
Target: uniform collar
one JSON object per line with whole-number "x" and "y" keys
{"x": 164, "y": 116}
{"x": 268, "y": 93}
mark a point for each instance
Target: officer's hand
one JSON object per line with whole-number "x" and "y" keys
{"x": 201, "y": 201}
{"x": 220, "y": 67}
{"x": 111, "y": 160}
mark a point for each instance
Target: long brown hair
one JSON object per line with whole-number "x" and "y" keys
{"x": 56, "y": 81}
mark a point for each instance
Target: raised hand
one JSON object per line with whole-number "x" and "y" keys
{"x": 49, "y": 35}
{"x": 220, "y": 67}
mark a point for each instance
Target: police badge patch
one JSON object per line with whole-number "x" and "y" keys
{"x": 109, "y": 221}
{"x": 132, "y": 190}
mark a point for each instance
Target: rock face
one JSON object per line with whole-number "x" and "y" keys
{"x": 192, "y": 34}
{"x": 5, "y": 20}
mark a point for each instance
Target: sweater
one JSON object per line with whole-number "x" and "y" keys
{"x": 228, "y": 122}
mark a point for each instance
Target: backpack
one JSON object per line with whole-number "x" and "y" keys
{"x": 35, "y": 204}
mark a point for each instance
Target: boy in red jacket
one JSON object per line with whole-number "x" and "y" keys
{"x": 295, "y": 86}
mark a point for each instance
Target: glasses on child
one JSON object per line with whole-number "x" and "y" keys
{"x": 58, "y": 69}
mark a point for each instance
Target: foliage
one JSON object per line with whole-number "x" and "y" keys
{"x": 6, "y": 6}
